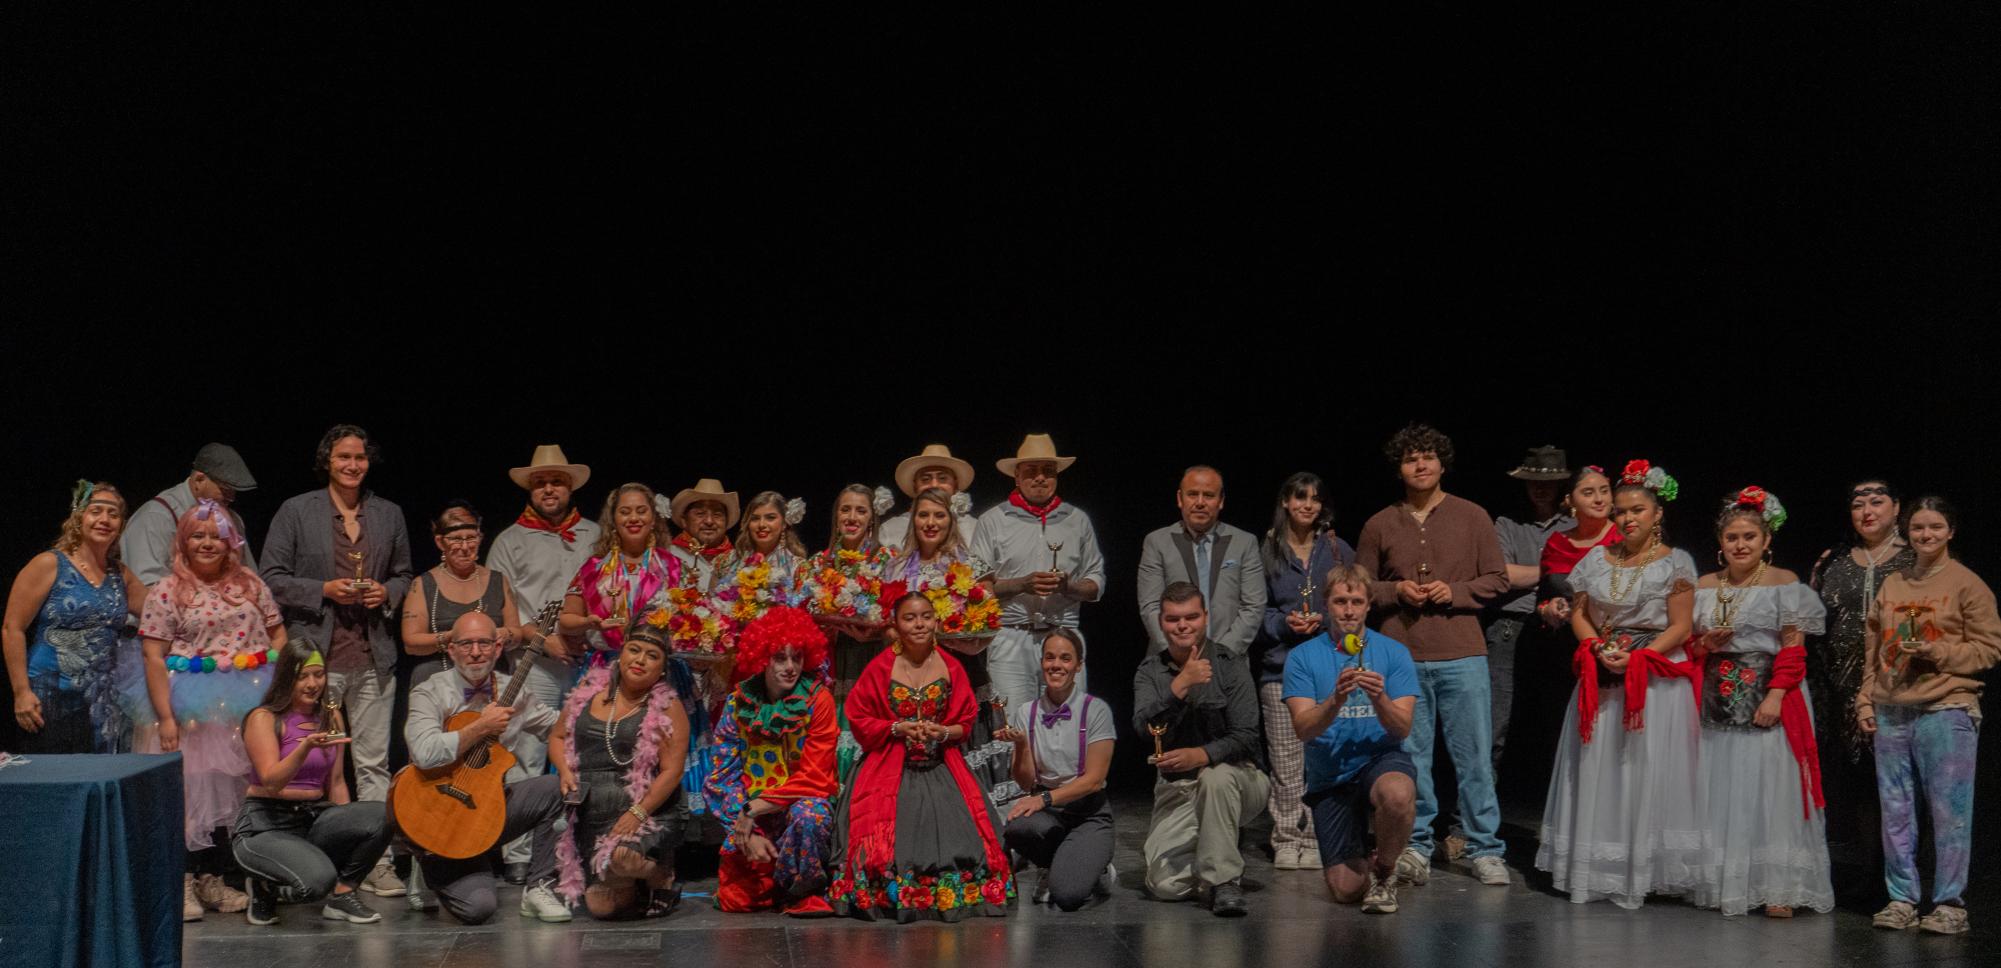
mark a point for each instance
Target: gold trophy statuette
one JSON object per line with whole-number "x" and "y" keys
{"x": 999, "y": 706}
{"x": 1158, "y": 730}
{"x": 333, "y": 724}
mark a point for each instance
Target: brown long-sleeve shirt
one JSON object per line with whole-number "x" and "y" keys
{"x": 1457, "y": 540}
{"x": 1954, "y": 611}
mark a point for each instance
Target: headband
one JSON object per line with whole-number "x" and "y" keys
{"x": 1870, "y": 489}
{"x": 1755, "y": 498}
{"x": 210, "y": 510}
{"x": 313, "y": 658}
{"x": 1652, "y": 478}
{"x": 80, "y": 495}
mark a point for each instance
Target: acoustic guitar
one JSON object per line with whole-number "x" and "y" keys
{"x": 458, "y": 810}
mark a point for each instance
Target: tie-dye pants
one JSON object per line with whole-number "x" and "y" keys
{"x": 1933, "y": 752}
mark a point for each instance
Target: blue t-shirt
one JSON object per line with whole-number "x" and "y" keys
{"x": 1355, "y": 737}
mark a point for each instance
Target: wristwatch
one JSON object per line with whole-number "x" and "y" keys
{"x": 1046, "y": 801}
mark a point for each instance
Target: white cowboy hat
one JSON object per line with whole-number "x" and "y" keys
{"x": 549, "y": 457}
{"x": 706, "y": 489}
{"x": 1034, "y": 447}
{"x": 934, "y": 455}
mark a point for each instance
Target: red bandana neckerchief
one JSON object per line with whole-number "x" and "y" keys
{"x": 567, "y": 527}
{"x": 687, "y": 544}
{"x": 1041, "y": 513}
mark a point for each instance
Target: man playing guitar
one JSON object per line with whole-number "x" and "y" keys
{"x": 465, "y": 886}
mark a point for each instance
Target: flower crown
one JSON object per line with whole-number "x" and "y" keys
{"x": 1767, "y": 505}
{"x": 1652, "y": 478}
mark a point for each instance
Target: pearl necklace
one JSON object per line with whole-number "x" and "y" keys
{"x": 611, "y": 727}
{"x": 1727, "y": 604}
{"x": 1618, "y": 594}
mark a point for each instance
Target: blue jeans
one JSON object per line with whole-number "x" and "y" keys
{"x": 1455, "y": 697}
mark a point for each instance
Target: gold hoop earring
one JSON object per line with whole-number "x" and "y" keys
{"x": 1657, "y": 532}
{"x": 1768, "y": 555}
{"x": 896, "y": 647}
{"x": 1719, "y": 558}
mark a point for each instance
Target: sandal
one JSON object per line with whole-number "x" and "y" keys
{"x": 663, "y": 901}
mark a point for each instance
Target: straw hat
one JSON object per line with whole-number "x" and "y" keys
{"x": 934, "y": 455}
{"x": 706, "y": 489}
{"x": 1034, "y": 447}
{"x": 549, "y": 457}
{"x": 1544, "y": 463}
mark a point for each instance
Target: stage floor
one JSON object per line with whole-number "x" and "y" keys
{"x": 1452, "y": 922}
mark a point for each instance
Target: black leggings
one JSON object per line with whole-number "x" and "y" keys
{"x": 305, "y": 847}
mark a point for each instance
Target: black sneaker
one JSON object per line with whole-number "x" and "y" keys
{"x": 348, "y": 907}
{"x": 263, "y": 907}
{"x": 1227, "y": 901}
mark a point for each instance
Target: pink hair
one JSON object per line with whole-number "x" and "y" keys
{"x": 657, "y": 727}
{"x": 779, "y": 628}
{"x": 236, "y": 583}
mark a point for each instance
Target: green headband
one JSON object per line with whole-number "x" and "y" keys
{"x": 313, "y": 659}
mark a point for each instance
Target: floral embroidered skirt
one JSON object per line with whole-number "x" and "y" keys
{"x": 939, "y": 871}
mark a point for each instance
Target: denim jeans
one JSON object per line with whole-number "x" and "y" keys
{"x": 1933, "y": 751}
{"x": 1454, "y": 697}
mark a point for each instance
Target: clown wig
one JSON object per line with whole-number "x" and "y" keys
{"x": 779, "y": 628}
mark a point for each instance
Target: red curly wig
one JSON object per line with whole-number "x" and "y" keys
{"x": 776, "y": 629}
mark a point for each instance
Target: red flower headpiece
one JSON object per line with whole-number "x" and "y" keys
{"x": 1635, "y": 472}
{"x": 1751, "y": 497}
{"x": 778, "y": 628}
{"x": 892, "y": 592}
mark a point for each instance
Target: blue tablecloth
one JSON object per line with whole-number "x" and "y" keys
{"x": 94, "y": 859}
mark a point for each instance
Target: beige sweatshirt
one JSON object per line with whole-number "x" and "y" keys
{"x": 1953, "y": 611}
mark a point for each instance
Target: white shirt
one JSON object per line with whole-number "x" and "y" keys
{"x": 1056, "y": 746}
{"x": 540, "y": 564}
{"x": 442, "y": 696}
{"x": 1016, "y": 544}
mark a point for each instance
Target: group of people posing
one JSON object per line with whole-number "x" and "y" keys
{"x": 886, "y": 727}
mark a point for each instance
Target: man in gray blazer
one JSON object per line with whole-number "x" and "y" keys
{"x": 1220, "y": 560}
{"x": 337, "y": 560}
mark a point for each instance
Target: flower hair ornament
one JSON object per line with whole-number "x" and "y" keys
{"x": 210, "y": 510}
{"x": 882, "y": 500}
{"x": 663, "y": 507}
{"x": 795, "y": 511}
{"x": 1767, "y": 505}
{"x": 1652, "y": 478}
{"x": 961, "y": 503}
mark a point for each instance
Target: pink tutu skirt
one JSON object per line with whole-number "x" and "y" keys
{"x": 214, "y": 773}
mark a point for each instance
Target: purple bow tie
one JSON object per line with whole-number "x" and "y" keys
{"x": 483, "y": 689}
{"x": 1060, "y": 715}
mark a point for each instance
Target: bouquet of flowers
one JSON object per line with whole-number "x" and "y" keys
{"x": 695, "y": 626}
{"x": 966, "y": 610}
{"x": 843, "y": 591}
{"x": 759, "y": 582}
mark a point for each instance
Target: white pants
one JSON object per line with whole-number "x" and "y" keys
{"x": 366, "y": 697}
{"x": 1014, "y": 663}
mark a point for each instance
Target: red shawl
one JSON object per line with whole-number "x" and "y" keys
{"x": 1787, "y": 671}
{"x": 872, "y": 803}
{"x": 1560, "y": 557}
{"x": 1647, "y": 663}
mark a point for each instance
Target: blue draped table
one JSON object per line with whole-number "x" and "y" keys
{"x": 94, "y": 858}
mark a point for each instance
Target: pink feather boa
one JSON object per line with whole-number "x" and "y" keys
{"x": 638, "y": 777}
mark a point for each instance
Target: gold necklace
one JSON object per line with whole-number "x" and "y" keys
{"x": 1727, "y": 604}
{"x": 1619, "y": 594}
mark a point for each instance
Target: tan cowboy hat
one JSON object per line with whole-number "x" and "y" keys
{"x": 934, "y": 455}
{"x": 549, "y": 457}
{"x": 706, "y": 489}
{"x": 1034, "y": 447}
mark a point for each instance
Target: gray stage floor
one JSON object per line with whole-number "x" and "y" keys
{"x": 1452, "y": 922}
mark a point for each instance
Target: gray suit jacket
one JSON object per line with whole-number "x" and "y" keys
{"x": 298, "y": 562}
{"x": 1236, "y": 583}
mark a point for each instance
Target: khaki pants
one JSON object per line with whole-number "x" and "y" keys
{"x": 1193, "y": 836}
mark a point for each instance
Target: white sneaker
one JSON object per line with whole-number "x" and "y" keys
{"x": 1490, "y": 871}
{"x": 1382, "y": 896}
{"x": 1285, "y": 859}
{"x": 1413, "y": 867}
{"x": 1108, "y": 880}
{"x": 191, "y": 908}
{"x": 542, "y": 903}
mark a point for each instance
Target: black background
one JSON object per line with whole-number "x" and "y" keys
{"x": 1751, "y": 245}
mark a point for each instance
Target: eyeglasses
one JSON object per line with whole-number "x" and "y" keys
{"x": 476, "y": 645}
{"x": 462, "y": 539}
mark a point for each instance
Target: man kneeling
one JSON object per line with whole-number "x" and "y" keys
{"x": 1351, "y": 693}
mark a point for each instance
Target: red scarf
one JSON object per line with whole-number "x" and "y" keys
{"x": 1647, "y": 663}
{"x": 1585, "y": 663}
{"x": 687, "y": 544}
{"x": 1787, "y": 672}
{"x": 872, "y": 795}
{"x": 1041, "y": 513}
{"x": 567, "y": 527}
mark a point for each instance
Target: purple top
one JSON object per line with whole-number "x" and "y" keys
{"x": 313, "y": 772}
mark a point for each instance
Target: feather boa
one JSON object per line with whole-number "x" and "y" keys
{"x": 638, "y": 777}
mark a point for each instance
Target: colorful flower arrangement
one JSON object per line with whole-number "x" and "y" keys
{"x": 695, "y": 626}
{"x": 759, "y": 582}
{"x": 844, "y": 588}
{"x": 966, "y": 610}
{"x": 1765, "y": 503}
{"x": 1655, "y": 479}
